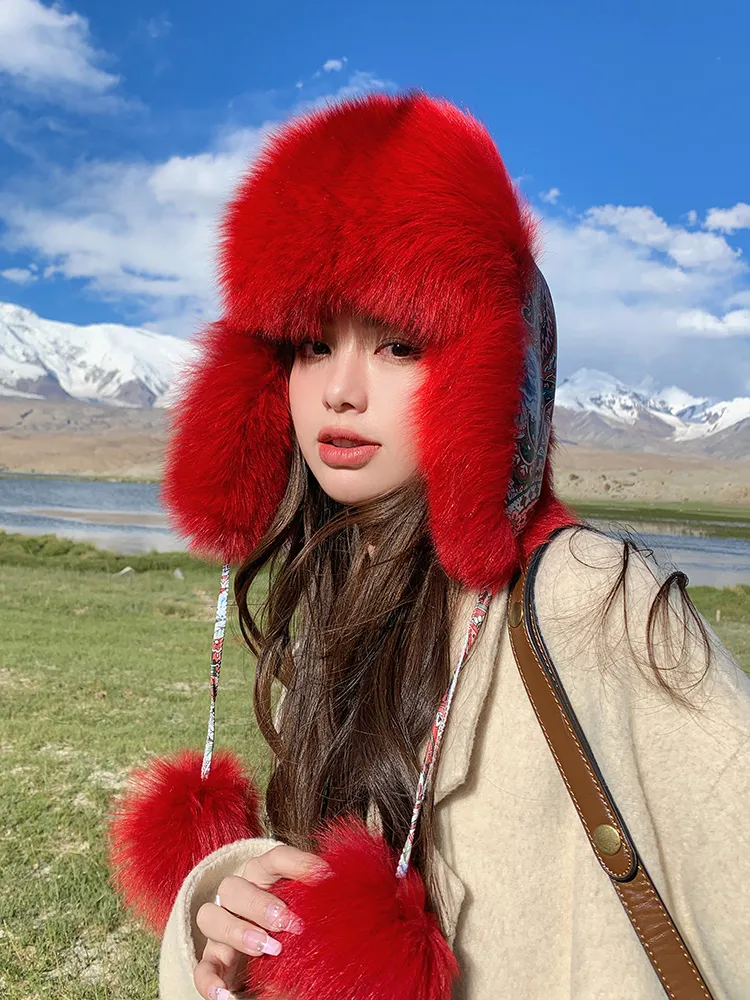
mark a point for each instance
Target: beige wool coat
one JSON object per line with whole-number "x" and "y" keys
{"x": 530, "y": 914}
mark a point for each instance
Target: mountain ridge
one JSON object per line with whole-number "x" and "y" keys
{"x": 99, "y": 363}
{"x": 598, "y": 410}
{"x": 131, "y": 367}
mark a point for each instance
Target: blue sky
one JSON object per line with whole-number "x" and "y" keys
{"x": 123, "y": 128}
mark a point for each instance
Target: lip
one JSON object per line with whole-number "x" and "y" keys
{"x": 330, "y": 433}
{"x": 346, "y": 458}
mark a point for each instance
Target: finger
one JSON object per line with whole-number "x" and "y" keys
{"x": 245, "y": 899}
{"x": 208, "y": 982}
{"x": 283, "y": 861}
{"x": 221, "y": 926}
{"x": 219, "y": 969}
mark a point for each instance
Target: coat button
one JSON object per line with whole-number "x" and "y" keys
{"x": 607, "y": 839}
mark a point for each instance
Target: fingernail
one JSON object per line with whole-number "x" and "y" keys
{"x": 281, "y": 918}
{"x": 218, "y": 993}
{"x": 260, "y": 943}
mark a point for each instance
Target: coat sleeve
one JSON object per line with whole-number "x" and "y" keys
{"x": 182, "y": 943}
{"x": 680, "y": 772}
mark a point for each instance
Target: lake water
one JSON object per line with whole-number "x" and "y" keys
{"x": 127, "y": 518}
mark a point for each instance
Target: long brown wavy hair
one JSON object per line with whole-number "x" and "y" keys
{"x": 356, "y": 626}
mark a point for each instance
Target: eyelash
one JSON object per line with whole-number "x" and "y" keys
{"x": 392, "y": 343}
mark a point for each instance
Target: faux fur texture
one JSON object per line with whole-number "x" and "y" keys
{"x": 366, "y": 933}
{"x": 169, "y": 819}
{"x": 399, "y": 208}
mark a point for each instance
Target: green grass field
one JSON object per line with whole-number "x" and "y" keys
{"x": 96, "y": 673}
{"x": 718, "y": 521}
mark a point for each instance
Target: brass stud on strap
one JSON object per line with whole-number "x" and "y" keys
{"x": 515, "y": 613}
{"x": 607, "y": 839}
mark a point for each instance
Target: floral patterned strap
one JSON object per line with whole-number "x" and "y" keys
{"x": 438, "y": 727}
{"x": 217, "y": 647}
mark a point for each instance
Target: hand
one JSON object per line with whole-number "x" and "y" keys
{"x": 237, "y": 928}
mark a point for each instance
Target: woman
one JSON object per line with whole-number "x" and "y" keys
{"x": 379, "y": 285}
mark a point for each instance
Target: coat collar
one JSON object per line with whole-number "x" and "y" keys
{"x": 471, "y": 690}
{"x": 461, "y": 727}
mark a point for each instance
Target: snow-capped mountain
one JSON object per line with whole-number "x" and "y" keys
{"x": 594, "y": 408}
{"x": 689, "y": 416}
{"x": 130, "y": 367}
{"x": 103, "y": 363}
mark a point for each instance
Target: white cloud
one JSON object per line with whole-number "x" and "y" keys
{"x": 728, "y": 220}
{"x": 48, "y": 53}
{"x": 551, "y": 196}
{"x": 734, "y": 323}
{"x": 643, "y": 227}
{"x": 633, "y": 299}
{"x": 19, "y": 275}
{"x": 334, "y": 65}
{"x": 142, "y": 233}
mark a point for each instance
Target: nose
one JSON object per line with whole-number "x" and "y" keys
{"x": 345, "y": 387}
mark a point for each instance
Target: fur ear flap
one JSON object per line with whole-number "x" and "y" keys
{"x": 465, "y": 412}
{"x": 228, "y": 456}
{"x": 169, "y": 819}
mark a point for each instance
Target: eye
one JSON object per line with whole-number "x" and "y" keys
{"x": 402, "y": 350}
{"x": 311, "y": 348}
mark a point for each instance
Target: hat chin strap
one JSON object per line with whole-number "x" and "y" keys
{"x": 476, "y": 621}
{"x": 217, "y": 648}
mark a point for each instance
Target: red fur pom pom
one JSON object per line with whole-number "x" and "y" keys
{"x": 366, "y": 933}
{"x": 169, "y": 819}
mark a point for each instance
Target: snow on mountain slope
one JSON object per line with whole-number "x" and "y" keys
{"x": 714, "y": 418}
{"x": 104, "y": 363}
{"x": 597, "y": 392}
{"x": 687, "y": 418}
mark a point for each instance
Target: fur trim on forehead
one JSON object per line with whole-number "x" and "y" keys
{"x": 399, "y": 209}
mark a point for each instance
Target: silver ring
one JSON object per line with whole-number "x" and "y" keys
{"x": 217, "y": 900}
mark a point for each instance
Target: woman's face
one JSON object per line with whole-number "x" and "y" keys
{"x": 358, "y": 381}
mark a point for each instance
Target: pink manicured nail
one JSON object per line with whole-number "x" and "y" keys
{"x": 218, "y": 993}
{"x": 281, "y": 918}
{"x": 258, "y": 942}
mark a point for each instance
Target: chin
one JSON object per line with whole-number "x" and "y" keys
{"x": 342, "y": 486}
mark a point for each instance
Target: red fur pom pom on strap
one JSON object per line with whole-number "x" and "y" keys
{"x": 366, "y": 933}
{"x": 169, "y": 819}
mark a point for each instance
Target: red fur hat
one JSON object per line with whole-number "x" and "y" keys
{"x": 399, "y": 208}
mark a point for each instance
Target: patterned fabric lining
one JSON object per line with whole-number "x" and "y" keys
{"x": 534, "y": 420}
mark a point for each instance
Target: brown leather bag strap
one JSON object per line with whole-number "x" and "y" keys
{"x": 605, "y": 827}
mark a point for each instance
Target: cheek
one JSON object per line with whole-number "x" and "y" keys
{"x": 400, "y": 406}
